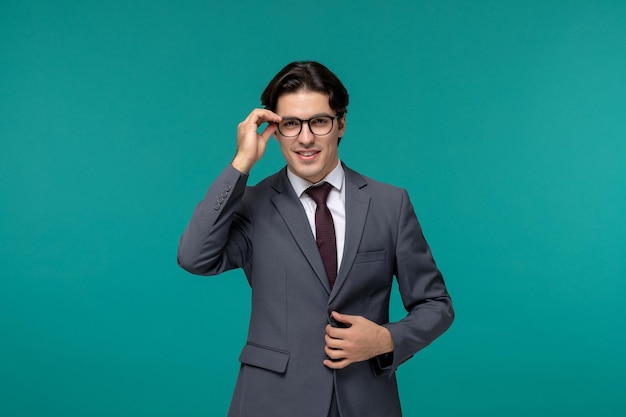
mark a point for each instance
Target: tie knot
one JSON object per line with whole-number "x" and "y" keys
{"x": 319, "y": 193}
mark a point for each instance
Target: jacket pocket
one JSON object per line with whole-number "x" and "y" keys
{"x": 362, "y": 257}
{"x": 265, "y": 357}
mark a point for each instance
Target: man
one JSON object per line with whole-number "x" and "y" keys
{"x": 320, "y": 267}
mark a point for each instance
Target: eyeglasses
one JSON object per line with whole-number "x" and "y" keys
{"x": 319, "y": 126}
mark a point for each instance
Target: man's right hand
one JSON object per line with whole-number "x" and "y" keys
{"x": 251, "y": 144}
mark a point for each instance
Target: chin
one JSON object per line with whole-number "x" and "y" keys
{"x": 305, "y": 171}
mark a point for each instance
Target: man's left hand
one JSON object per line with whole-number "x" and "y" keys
{"x": 363, "y": 340}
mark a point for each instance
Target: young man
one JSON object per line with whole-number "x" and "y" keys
{"x": 320, "y": 245}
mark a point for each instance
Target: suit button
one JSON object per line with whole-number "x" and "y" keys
{"x": 217, "y": 206}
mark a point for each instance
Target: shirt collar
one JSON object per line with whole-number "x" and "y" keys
{"x": 334, "y": 178}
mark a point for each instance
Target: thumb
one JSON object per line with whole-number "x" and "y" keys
{"x": 344, "y": 318}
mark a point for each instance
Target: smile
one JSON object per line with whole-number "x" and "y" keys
{"x": 307, "y": 154}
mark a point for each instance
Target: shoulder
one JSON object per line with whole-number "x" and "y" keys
{"x": 268, "y": 186}
{"x": 374, "y": 188}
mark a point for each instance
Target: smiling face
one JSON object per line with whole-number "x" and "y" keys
{"x": 309, "y": 156}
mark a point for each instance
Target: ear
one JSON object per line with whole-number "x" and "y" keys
{"x": 342, "y": 125}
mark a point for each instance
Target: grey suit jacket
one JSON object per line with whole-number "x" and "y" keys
{"x": 264, "y": 230}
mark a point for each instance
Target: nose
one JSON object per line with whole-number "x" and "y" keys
{"x": 306, "y": 137}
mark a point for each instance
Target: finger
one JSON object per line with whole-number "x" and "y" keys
{"x": 260, "y": 116}
{"x": 333, "y": 343}
{"x": 337, "y": 364}
{"x": 268, "y": 131}
{"x": 255, "y": 119}
{"x": 344, "y": 318}
{"x": 335, "y": 332}
{"x": 334, "y": 354}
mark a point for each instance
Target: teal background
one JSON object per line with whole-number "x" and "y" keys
{"x": 504, "y": 120}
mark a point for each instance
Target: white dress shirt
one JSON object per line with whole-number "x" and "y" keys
{"x": 336, "y": 203}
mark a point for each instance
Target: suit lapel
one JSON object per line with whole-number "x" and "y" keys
{"x": 290, "y": 209}
{"x": 357, "y": 206}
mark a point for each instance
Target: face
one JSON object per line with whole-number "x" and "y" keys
{"x": 309, "y": 156}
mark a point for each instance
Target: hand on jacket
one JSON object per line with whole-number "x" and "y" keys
{"x": 363, "y": 340}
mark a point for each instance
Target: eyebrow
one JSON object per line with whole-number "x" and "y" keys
{"x": 311, "y": 117}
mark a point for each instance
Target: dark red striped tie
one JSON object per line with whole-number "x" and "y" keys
{"x": 325, "y": 230}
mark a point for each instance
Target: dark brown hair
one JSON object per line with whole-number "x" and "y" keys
{"x": 306, "y": 75}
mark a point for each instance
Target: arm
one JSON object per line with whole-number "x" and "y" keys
{"x": 422, "y": 289}
{"x": 424, "y": 296}
{"x": 217, "y": 237}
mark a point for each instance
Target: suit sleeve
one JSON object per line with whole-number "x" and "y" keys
{"x": 422, "y": 289}
{"x": 217, "y": 237}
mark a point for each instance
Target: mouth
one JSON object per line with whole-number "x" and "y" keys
{"x": 307, "y": 155}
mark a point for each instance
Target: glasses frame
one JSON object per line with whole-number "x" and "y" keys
{"x": 308, "y": 122}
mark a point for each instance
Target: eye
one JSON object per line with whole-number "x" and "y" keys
{"x": 320, "y": 121}
{"x": 290, "y": 124}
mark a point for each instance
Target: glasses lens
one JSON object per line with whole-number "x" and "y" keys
{"x": 289, "y": 127}
{"x": 321, "y": 125}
